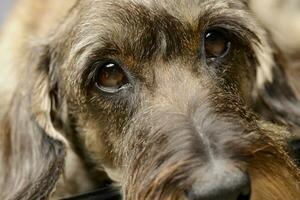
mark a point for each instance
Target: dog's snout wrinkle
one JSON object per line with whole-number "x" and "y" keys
{"x": 208, "y": 145}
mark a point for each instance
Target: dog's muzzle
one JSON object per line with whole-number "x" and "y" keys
{"x": 224, "y": 186}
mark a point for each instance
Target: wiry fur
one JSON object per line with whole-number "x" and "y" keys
{"x": 184, "y": 118}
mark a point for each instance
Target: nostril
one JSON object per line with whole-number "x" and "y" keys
{"x": 244, "y": 197}
{"x": 229, "y": 196}
{"x": 245, "y": 194}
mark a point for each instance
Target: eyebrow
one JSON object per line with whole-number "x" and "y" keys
{"x": 233, "y": 19}
{"x": 238, "y": 21}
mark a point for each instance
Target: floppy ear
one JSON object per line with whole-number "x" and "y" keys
{"x": 274, "y": 97}
{"x": 32, "y": 150}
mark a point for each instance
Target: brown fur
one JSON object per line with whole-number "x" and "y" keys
{"x": 182, "y": 115}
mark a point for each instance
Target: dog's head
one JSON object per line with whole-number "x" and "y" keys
{"x": 160, "y": 95}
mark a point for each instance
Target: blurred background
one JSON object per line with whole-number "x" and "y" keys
{"x": 5, "y": 6}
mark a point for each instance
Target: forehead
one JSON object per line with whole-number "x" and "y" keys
{"x": 140, "y": 27}
{"x": 188, "y": 11}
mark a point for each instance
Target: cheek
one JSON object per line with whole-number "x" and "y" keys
{"x": 245, "y": 78}
{"x": 98, "y": 148}
{"x": 97, "y": 138}
{"x": 246, "y": 88}
{"x": 240, "y": 77}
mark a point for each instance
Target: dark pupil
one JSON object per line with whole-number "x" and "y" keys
{"x": 111, "y": 76}
{"x": 216, "y": 44}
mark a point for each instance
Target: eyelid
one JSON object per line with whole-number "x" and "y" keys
{"x": 113, "y": 91}
{"x": 235, "y": 30}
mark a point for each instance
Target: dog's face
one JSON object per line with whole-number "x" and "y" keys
{"x": 159, "y": 94}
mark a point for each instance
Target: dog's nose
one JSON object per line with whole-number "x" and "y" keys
{"x": 227, "y": 187}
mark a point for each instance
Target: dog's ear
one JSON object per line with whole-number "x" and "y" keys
{"x": 276, "y": 101}
{"x": 273, "y": 96}
{"x": 32, "y": 149}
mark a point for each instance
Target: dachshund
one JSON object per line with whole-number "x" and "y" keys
{"x": 165, "y": 100}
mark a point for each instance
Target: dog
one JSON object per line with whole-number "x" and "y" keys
{"x": 171, "y": 100}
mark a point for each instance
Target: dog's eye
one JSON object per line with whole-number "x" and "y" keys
{"x": 216, "y": 44}
{"x": 111, "y": 77}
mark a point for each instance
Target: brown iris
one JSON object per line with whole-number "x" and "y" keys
{"x": 216, "y": 44}
{"x": 111, "y": 77}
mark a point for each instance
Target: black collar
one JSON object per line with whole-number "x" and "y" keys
{"x": 101, "y": 194}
